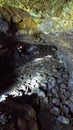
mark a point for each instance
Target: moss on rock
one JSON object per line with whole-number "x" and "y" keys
{"x": 61, "y": 12}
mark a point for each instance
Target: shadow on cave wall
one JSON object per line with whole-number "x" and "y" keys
{"x": 7, "y": 62}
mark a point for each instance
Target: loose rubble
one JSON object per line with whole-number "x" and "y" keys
{"x": 47, "y": 78}
{"x": 63, "y": 119}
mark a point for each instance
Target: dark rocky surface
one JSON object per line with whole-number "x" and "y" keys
{"x": 36, "y": 91}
